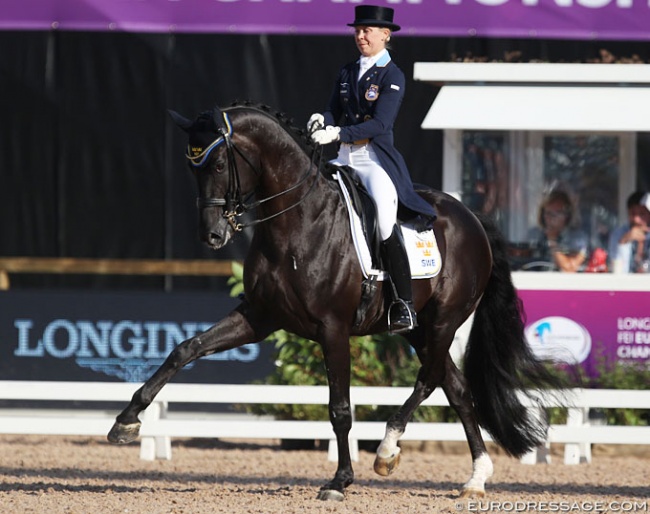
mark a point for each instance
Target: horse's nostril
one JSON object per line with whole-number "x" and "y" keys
{"x": 213, "y": 238}
{"x": 210, "y": 238}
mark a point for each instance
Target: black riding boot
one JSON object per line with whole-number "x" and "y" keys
{"x": 401, "y": 315}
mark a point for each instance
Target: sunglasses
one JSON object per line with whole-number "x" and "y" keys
{"x": 555, "y": 214}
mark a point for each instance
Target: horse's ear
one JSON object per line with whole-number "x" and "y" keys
{"x": 181, "y": 121}
{"x": 217, "y": 116}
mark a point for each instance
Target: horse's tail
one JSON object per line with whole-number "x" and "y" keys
{"x": 499, "y": 364}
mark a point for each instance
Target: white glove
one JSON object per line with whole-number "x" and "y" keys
{"x": 317, "y": 121}
{"x": 327, "y": 135}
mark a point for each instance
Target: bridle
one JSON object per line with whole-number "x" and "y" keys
{"x": 233, "y": 202}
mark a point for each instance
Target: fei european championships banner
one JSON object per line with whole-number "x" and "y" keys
{"x": 589, "y": 328}
{"x": 572, "y": 19}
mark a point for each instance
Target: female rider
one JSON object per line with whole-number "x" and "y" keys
{"x": 361, "y": 113}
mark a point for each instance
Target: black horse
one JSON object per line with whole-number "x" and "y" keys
{"x": 302, "y": 275}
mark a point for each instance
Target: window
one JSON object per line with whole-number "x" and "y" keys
{"x": 507, "y": 175}
{"x": 587, "y": 167}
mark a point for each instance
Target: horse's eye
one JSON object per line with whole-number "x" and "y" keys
{"x": 220, "y": 165}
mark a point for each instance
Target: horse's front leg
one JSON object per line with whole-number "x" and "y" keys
{"x": 236, "y": 329}
{"x": 431, "y": 373}
{"x": 388, "y": 455}
{"x": 337, "y": 363}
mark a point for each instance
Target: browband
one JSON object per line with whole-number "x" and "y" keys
{"x": 199, "y": 159}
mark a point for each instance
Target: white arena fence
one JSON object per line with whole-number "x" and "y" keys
{"x": 159, "y": 426}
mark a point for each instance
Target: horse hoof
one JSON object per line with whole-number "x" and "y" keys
{"x": 472, "y": 492}
{"x": 386, "y": 466}
{"x": 331, "y": 495}
{"x": 123, "y": 434}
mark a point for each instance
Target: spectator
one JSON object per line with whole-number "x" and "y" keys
{"x": 555, "y": 242}
{"x": 629, "y": 244}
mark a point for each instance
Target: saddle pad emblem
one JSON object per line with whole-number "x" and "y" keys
{"x": 423, "y": 252}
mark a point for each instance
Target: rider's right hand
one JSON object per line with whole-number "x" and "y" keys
{"x": 316, "y": 122}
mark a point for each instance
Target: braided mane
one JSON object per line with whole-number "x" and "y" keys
{"x": 298, "y": 134}
{"x": 287, "y": 123}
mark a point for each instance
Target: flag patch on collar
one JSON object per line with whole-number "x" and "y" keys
{"x": 394, "y": 86}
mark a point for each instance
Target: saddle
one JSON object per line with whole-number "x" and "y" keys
{"x": 366, "y": 208}
{"x": 418, "y": 233}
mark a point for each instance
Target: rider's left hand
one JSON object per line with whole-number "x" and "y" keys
{"x": 327, "y": 135}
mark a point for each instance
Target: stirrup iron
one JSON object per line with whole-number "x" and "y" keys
{"x": 407, "y": 320}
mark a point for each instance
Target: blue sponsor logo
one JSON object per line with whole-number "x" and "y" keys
{"x": 130, "y": 350}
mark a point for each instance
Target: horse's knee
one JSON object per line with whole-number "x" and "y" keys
{"x": 341, "y": 416}
{"x": 185, "y": 352}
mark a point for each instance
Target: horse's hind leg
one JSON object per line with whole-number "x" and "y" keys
{"x": 460, "y": 398}
{"x": 232, "y": 331}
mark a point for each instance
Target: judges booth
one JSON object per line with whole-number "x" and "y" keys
{"x": 512, "y": 133}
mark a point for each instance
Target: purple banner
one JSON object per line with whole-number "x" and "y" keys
{"x": 573, "y": 19}
{"x": 589, "y": 327}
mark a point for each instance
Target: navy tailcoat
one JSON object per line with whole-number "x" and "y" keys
{"x": 367, "y": 109}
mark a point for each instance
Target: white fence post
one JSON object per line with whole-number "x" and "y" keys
{"x": 575, "y": 453}
{"x": 155, "y": 447}
{"x": 333, "y": 450}
{"x": 541, "y": 454}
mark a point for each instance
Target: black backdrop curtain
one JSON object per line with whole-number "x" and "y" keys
{"x": 92, "y": 167}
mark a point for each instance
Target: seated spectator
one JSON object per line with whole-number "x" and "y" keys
{"x": 555, "y": 242}
{"x": 629, "y": 244}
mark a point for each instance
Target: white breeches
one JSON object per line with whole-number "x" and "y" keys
{"x": 363, "y": 160}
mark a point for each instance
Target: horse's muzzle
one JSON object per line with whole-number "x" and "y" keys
{"x": 216, "y": 240}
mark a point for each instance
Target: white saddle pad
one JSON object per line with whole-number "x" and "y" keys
{"x": 422, "y": 248}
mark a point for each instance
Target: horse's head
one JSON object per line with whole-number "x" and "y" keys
{"x": 212, "y": 161}
{"x": 254, "y": 152}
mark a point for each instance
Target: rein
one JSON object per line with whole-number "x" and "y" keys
{"x": 234, "y": 203}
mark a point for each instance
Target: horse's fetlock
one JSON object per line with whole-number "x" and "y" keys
{"x": 141, "y": 398}
{"x": 396, "y": 424}
{"x": 347, "y": 478}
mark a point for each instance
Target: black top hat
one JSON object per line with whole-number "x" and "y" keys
{"x": 374, "y": 16}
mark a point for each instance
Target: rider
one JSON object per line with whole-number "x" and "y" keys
{"x": 362, "y": 109}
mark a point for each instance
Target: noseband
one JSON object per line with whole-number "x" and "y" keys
{"x": 233, "y": 202}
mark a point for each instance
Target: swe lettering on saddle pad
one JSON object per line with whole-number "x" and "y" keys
{"x": 422, "y": 248}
